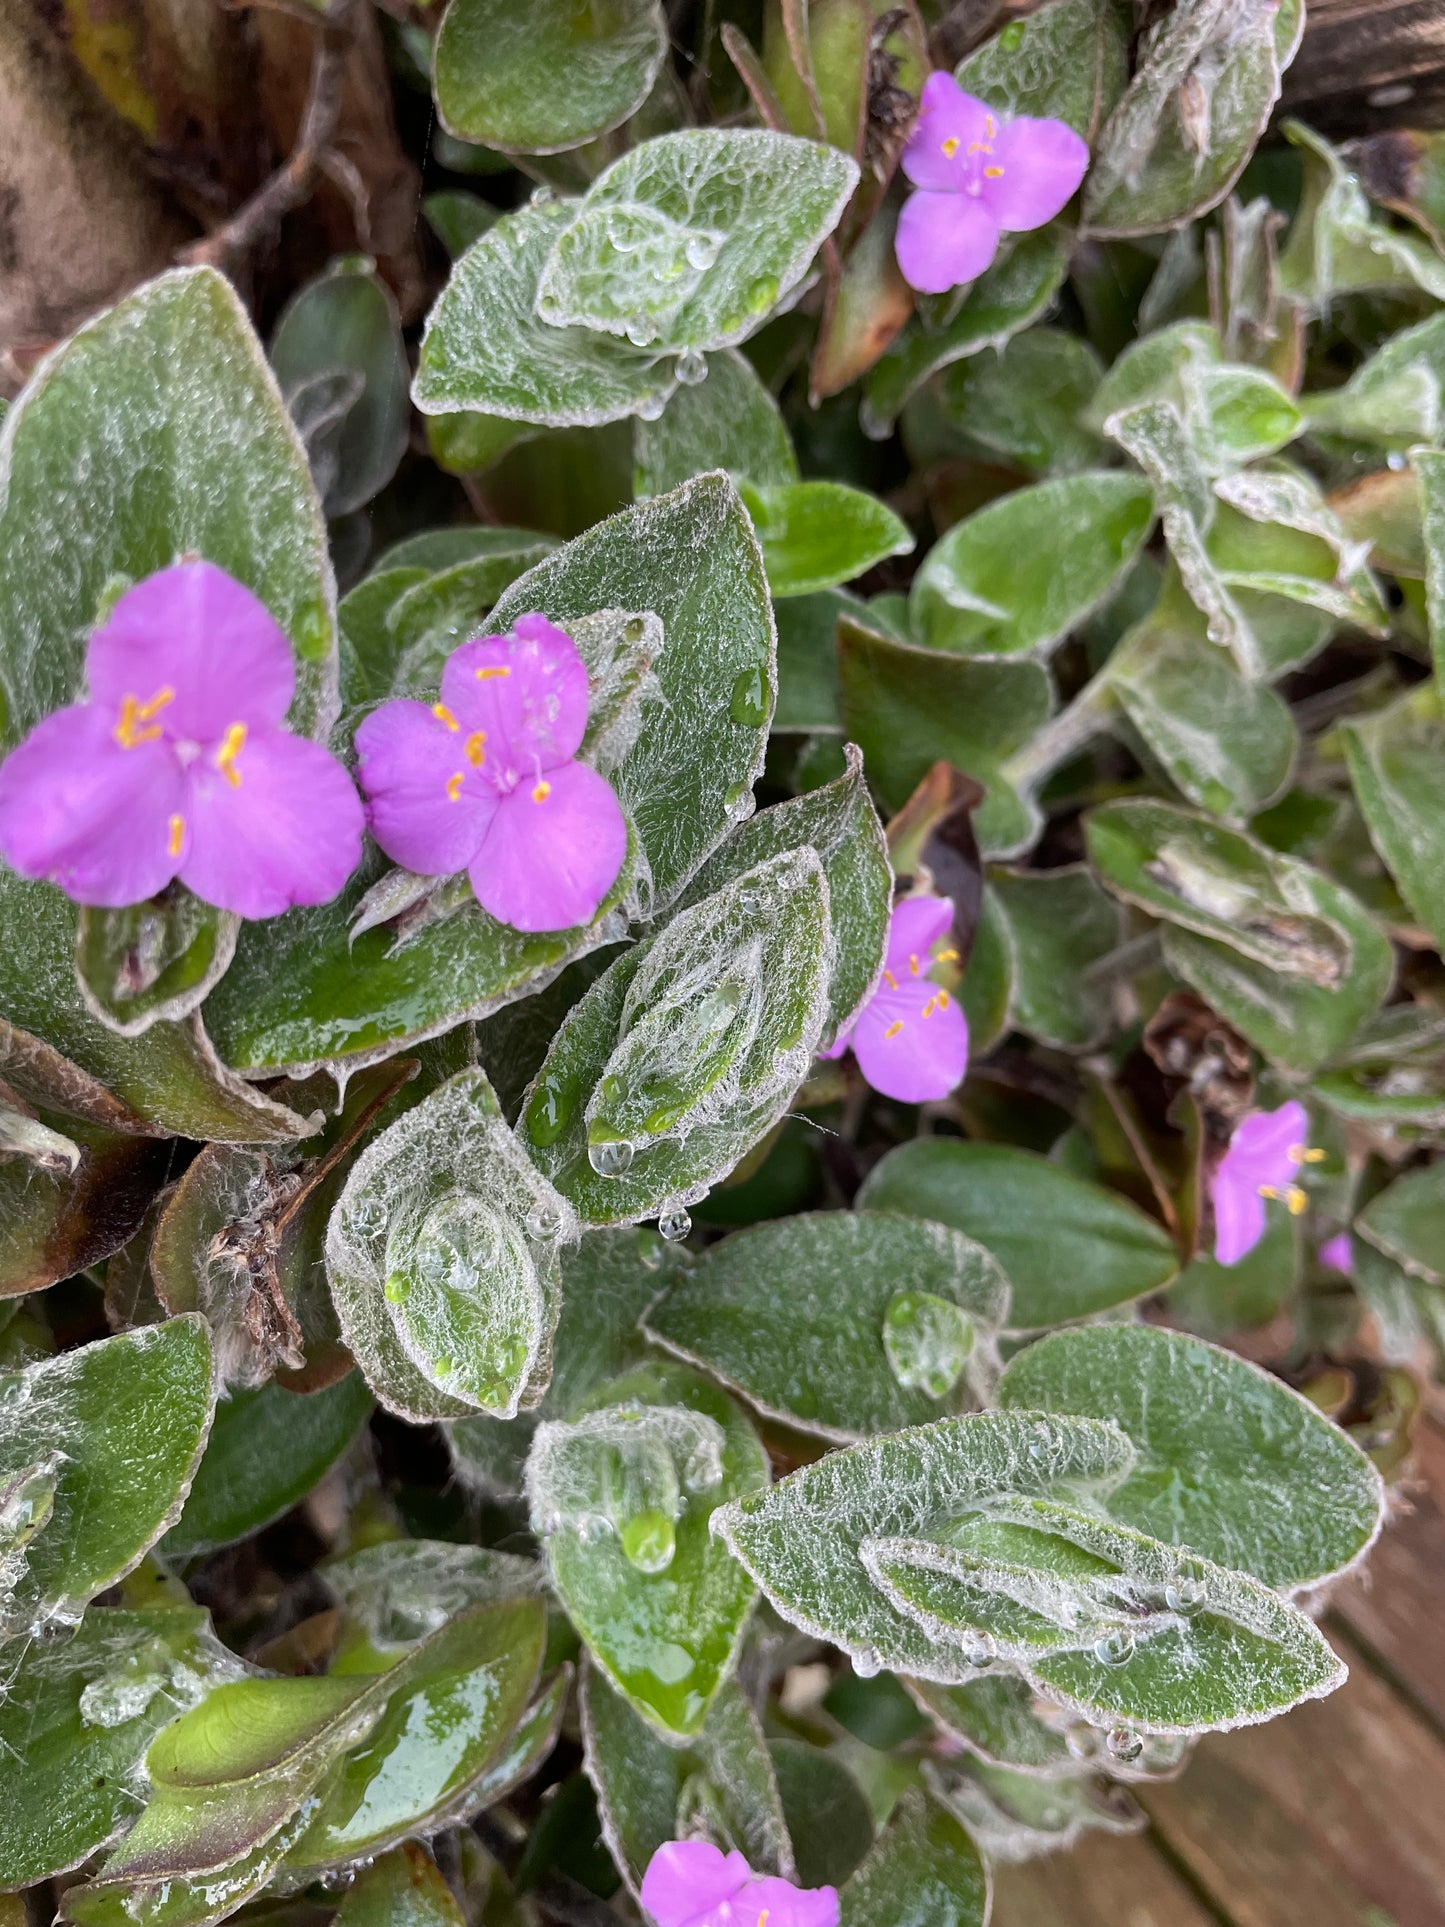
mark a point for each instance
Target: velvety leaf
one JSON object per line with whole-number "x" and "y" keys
{"x": 839, "y": 1324}
{"x": 690, "y": 241}
{"x": 155, "y": 960}
{"x": 404, "y": 1888}
{"x": 623, "y": 1498}
{"x": 442, "y": 1255}
{"x": 1006, "y": 298}
{"x": 725, "y": 1775}
{"x": 71, "y": 1192}
{"x": 1396, "y": 759}
{"x": 688, "y": 1049}
{"x": 401, "y": 1590}
{"x": 909, "y": 708}
{"x": 981, "y": 591}
{"x": 1017, "y": 1816}
{"x": 107, "y": 1437}
{"x": 187, "y": 1902}
{"x": 1068, "y": 1248}
{"x": 826, "y": 1810}
{"x": 1230, "y": 1462}
{"x": 267, "y": 1449}
{"x": 1024, "y": 403}
{"x": 994, "y": 1717}
{"x": 1431, "y": 472}
{"x": 345, "y": 323}
{"x": 548, "y": 77}
{"x": 458, "y": 218}
{"x": 1407, "y": 1222}
{"x": 727, "y": 420}
{"x": 1060, "y": 925}
{"x": 1336, "y": 245}
{"x": 1393, "y": 399}
{"x": 487, "y": 350}
{"x": 248, "y": 1729}
{"x": 922, "y": 1867}
{"x": 82, "y": 1714}
{"x": 807, "y": 660}
{"x": 802, "y": 1539}
{"x": 691, "y": 558}
{"x": 1066, "y": 62}
{"x": 815, "y": 535}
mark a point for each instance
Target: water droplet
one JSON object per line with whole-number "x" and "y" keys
{"x": 701, "y": 251}
{"x": 1041, "y": 1445}
{"x": 674, "y": 1223}
{"x": 29, "y": 1503}
{"x": 1012, "y": 37}
{"x": 1123, "y": 1744}
{"x": 112, "y": 1702}
{"x": 928, "y": 1340}
{"x": 651, "y": 406}
{"x": 691, "y": 368}
{"x": 641, "y": 331}
{"x": 1185, "y": 1596}
{"x": 1115, "y": 1648}
{"x": 1215, "y": 632}
{"x": 867, "y": 1664}
{"x": 612, "y": 1158}
{"x": 751, "y": 696}
{"x": 739, "y": 803}
{"x": 397, "y": 1288}
{"x": 549, "y": 1113}
{"x": 1395, "y": 461}
{"x": 368, "y": 1214}
{"x": 542, "y": 197}
{"x": 762, "y": 294}
{"x": 443, "y": 1367}
{"x": 544, "y": 1222}
{"x": 650, "y": 1249}
{"x": 649, "y": 1540}
{"x": 979, "y": 1648}
{"x": 634, "y": 629}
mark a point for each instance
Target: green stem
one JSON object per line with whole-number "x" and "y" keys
{"x": 1086, "y": 716}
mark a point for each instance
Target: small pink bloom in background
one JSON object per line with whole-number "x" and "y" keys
{"x": 911, "y": 1037}
{"x": 179, "y": 765}
{"x": 487, "y": 781}
{"x": 1338, "y": 1253}
{"x": 689, "y": 1883}
{"x": 977, "y": 177}
{"x": 1263, "y": 1161}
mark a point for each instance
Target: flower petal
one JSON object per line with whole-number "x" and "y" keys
{"x": 1238, "y": 1218}
{"x": 553, "y": 851}
{"x": 783, "y": 1905}
{"x": 1035, "y": 169}
{"x": 1263, "y": 1140}
{"x": 408, "y": 762}
{"x": 199, "y": 633}
{"x": 526, "y": 692}
{"x": 912, "y": 1042}
{"x": 1338, "y": 1253}
{"x": 94, "y": 818}
{"x": 917, "y": 924}
{"x": 944, "y": 240}
{"x": 686, "y": 1879}
{"x": 951, "y": 126}
{"x": 288, "y": 832}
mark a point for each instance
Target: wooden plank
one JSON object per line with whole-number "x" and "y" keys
{"x": 1366, "y": 64}
{"x": 1107, "y": 1881}
{"x": 1315, "y": 1818}
{"x": 1393, "y": 1607}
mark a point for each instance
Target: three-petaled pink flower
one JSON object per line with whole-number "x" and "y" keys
{"x": 1262, "y": 1162}
{"x": 487, "y": 781}
{"x": 911, "y": 1037}
{"x": 178, "y": 766}
{"x": 977, "y": 177}
{"x": 689, "y": 1883}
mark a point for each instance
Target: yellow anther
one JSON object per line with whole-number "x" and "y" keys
{"x": 498, "y": 669}
{"x": 133, "y": 712}
{"x": 178, "y": 836}
{"x": 942, "y": 1000}
{"x": 444, "y": 715}
{"x": 950, "y": 147}
{"x": 541, "y": 792}
{"x": 1296, "y": 1200}
{"x": 475, "y": 748}
{"x": 990, "y": 125}
{"x": 993, "y": 173}
{"x": 893, "y": 1030}
{"x": 891, "y": 980}
{"x": 1302, "y": 1154}
{"x": 232, "y": 743}
{"x": 763, "y": 1917}
{"x": 913, "y": 964}
{"x": 930, "y": 1007}
{"x": 1270, "y": 1191}
{"x": 454, "y": 786}
{"x": 979, "y": 147}
{"x": 945, "y": 956}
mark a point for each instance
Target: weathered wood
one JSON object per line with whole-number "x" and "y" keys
{"x": 1315, "y": 1818}
{"x": 1108, "y": 1881}
{"x": 1366, "y": 64}
{"x": 1394, "y": 1607}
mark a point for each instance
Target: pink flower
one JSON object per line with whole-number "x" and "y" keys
{"x": 911, "y": 1038}
{"x": 691, "y": 1884}
{"x": 1338, "y": 1253}
{"x": 487, "y": 781}
{"x": 1262, "y": 1161}
{"x": 977, "y": 177}
{"x": 179, "y": 766}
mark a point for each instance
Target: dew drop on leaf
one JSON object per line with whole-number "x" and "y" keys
{"x": 749, "y": 703}
{"x": 1115, "y": 1648}
{"x": 928, "y": 1340}
{"x": 1123, "y": 1744}
{"x": 1184, "y": 1596}
{"x": 649, "y": 1540}
{"x": 612, "y": 1158}
{"x": 691, "y": 368}
{"x": 674, "y": 1223}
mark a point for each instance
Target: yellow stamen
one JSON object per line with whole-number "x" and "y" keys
{"x": 950, "y": 147}
{"x": 890, "y": 979}
{"x": 485, "y": 675}
{"x": 232, "y": 743}
{"x": 979, "y": 147}
{"x": 133, "y": 712}
{"x": 763, "y": 1917}
{"x": 474, "y": 748}
{"x": 893, "y": 1030}
{"x": 913, "y": 965}
{"x": 1270, "y": 1191}
{"x": 1302, "y": 1154}
{"x": 1297, "y": 1201}
{"x": 541, "y": 792}
{"x": 444, "y": 715}
{"x": 454, "y": 786}
{"x": 178, "y": 836}
{"x": 943, "y": 1000}
{"x": 945, "y": 956}
{"x": 990, "y": 125}
{"x": 993, "y": 173}
{"x": 930, "y": 1007}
